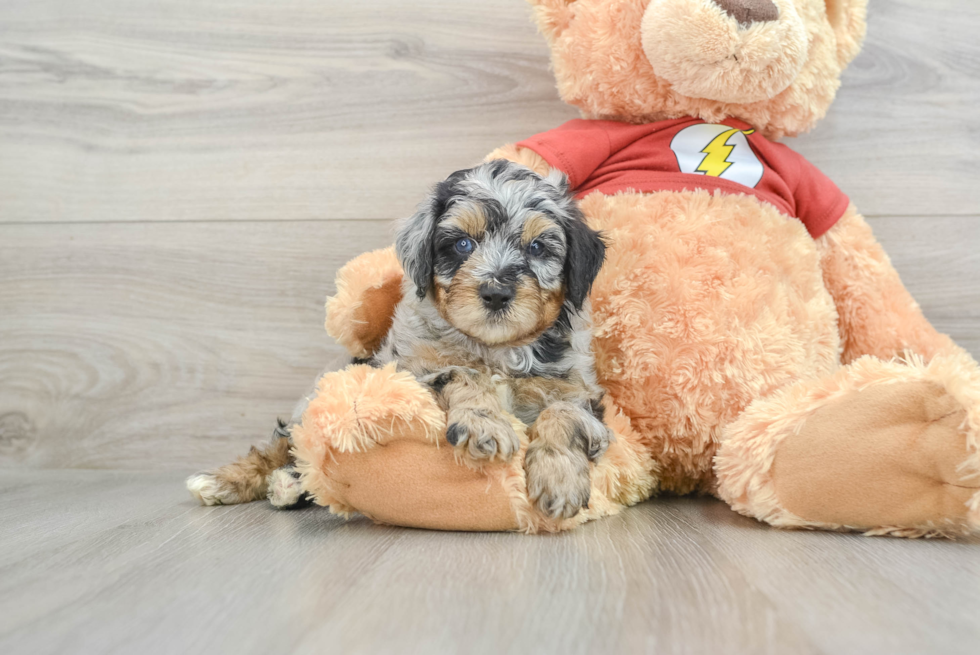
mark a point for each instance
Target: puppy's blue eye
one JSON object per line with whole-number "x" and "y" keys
{"x": 464, "y": 246}
{"x": 535, "y": 249}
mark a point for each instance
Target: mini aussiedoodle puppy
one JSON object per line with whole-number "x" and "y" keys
{"x": 494, "y": 319}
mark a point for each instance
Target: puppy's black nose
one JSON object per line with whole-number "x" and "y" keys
{"x": 496, "y": 296}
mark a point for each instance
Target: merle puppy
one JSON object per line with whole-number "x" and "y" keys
{"x": 495, "y": 320}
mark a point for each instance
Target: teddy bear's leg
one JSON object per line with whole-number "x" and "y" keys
{"x": 879, "y": 447}
{"x": 412, "y": 484}
{"x": 373, "y": 441}
{"x": 522, "y": 156}
{"x": 877, "y": 314}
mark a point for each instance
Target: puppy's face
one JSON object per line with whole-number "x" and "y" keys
{"x": 499, "y": 250}
{"x": 498, "y": 276}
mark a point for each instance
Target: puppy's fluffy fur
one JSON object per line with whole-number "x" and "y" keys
{"x": 495, "y": 319}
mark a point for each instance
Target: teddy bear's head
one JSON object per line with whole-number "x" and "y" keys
{"x": 775, "y": 64}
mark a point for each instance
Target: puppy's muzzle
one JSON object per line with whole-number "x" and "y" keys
{"x": 497, "y": 297}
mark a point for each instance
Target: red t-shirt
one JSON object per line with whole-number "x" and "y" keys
{"x": 688, "y": 154}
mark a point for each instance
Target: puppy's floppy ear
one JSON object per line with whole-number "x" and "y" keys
{"x": 413, "y": 245}
{"x": 414, "y": 241}
{"x": 585, "y": 252}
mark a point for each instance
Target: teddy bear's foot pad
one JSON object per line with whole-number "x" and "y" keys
{"x": 888, "y": 455}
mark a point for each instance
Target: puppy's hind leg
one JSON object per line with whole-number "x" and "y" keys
{"x": 285, "y": 491}
{"x": 245, "y": 479}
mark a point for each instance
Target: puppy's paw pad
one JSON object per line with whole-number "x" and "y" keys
{"x": 284, "y": 488}
{"x": 208, "y": 489}
{"x": 480, "y": 435}
{"x": 557, "y": 481}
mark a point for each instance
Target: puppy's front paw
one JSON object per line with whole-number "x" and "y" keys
{"x": 557, "y": 479}
{"x": 481, "y": 434}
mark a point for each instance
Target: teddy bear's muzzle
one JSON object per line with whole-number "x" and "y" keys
{"x": 737, "y": 51}
{"x": 747, "y": 12}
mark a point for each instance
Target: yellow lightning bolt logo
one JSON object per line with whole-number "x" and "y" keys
{"x": 716, "y": 154}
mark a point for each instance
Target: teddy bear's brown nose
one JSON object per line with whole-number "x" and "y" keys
{"x": 747, "y": 12}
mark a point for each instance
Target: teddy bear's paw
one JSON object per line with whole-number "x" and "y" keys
{"x": 285, "y": 490}
{"x": 481, "y": 435}
{"x": 209, "y": 489}
{"x": 557, "y": 479}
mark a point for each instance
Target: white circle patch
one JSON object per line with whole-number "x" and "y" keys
{"x": 717, "y": 151}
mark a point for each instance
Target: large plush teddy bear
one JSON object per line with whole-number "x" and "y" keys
{"x": 754, "y": 339}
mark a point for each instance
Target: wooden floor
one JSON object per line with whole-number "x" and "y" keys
{"x": 179, "y": 182}
{"x": 123, "y": 562}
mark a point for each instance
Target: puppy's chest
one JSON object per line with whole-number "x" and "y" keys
{"x": 509, "y": 363}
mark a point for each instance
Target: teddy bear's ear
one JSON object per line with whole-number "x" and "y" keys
{"x": 552, "y": 16}
{"x": 849, "y": 20}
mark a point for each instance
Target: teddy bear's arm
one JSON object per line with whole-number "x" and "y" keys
{"x": 524, "y": 156}
{"x": 368, "y": 288}
{"x": 877, "y": 314}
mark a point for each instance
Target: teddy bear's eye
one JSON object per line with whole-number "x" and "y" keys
{"x": 536, "y": 248}
{"x": 464, "y": 246}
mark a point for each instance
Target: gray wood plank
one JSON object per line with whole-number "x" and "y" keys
{"x": 938, "y": 259}
{"x": 902, "y": 139}
{"x": 115, "y": 562}
{"x": 122, "y": 110}
{"x": 119, "y": 110}
{"x": 170, "y": 345}
{"x": 857, "y": 585}
{"x": 146, "y": 345}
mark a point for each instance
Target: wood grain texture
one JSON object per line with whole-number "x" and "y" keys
{"x": 114, "y": 562}
{"x": 148, "y": 345}
{"x": 122, "y": 110}
{"x": 902, "y": 139}
{"x": 301, "y": 109}
{"x": 168, "y": 345}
